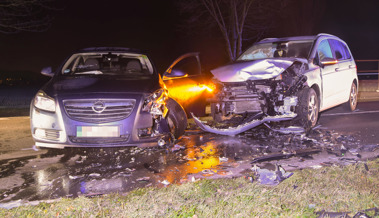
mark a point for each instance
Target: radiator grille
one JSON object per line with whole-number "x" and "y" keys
{"x": 99, "y": 110}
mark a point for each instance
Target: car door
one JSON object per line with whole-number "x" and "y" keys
{"x": 329, "y": 74}
{"x": 345, "y": 70}
{"x": 187, "y": 84}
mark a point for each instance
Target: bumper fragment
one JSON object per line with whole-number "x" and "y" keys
{"x": 243, "y": 127}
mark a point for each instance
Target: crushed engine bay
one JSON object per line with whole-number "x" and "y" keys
{"x": 272, "y": 99}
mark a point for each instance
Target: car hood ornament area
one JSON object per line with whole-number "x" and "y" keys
{"x": 98, "y": 107}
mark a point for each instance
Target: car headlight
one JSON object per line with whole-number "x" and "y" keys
{"x": 44, "y": 102}
{"x": 156, "y": 102}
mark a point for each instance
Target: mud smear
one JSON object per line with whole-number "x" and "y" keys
{"x": 74, "y": 172}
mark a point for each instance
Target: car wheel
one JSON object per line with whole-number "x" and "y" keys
{"x": 308, "y": 108}
{"x": 351, "y": 105}
{"x": 176, "y": 118}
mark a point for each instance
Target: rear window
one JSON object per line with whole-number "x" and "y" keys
{"x": 119, "y": 64}
{"x": 340, "y": 50}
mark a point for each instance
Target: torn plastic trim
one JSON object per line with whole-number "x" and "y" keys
{"x": 287, "y": 130}
{"x": 243, "y": 127}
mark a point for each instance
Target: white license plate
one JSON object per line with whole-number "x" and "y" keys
{"x": 97, "y": 131}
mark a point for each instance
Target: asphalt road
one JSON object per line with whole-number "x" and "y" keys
{"x": 363, "y": 122}
{"x": 27, "y": 174}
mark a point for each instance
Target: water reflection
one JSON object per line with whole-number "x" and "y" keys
{"x": 73, "y": 172}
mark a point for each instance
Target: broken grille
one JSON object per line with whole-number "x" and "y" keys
{"x": 99, "y": 110}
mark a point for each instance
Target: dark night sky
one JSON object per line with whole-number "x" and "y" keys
{"x": 152, "y": 25}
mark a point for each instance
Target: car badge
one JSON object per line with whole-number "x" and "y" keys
{"x": 98, "y": 107}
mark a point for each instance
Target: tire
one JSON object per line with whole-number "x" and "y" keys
{"x": 351, "y": 105}
{"x": 176, "y": 118}
{"x": 308, "y": 108}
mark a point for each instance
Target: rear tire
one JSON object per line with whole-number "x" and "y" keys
{"x": 351, "y": 105}
{"x": 176, "y": 118}
{"x": 308, "y": 108}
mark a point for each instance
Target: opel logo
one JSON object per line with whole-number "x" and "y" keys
{"x": 98, "y": 107}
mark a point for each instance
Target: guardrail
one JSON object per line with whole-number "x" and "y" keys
{"x": 370, "y": 72}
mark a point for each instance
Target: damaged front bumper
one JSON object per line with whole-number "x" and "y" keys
{"x": 243, "y": 127}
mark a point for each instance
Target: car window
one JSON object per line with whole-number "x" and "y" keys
{"x": 279, "y": 49}
{"x": 340, "y": 50}
{"x": 188, "y": 65}
{"x": 324, "y": 50}
{"x": 120, "y": 64}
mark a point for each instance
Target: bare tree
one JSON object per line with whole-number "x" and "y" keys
{"x": 238, "y": 20}
{"x": 25, "y": 15}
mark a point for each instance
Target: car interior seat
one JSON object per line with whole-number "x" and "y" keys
{"x": 91, "y": 64}
{"x": 133, "y": 66}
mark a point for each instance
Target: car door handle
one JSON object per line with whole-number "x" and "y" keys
{"x": 337, "y": 69}
{"x": 351, "y": 66}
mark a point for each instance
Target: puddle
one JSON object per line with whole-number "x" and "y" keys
{"x": 74, "y": 172}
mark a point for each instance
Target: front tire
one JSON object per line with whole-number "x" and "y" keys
{"x": 308, "y": 108}
{"x": 176, "y": 118}
{"x": 351, "y": 105}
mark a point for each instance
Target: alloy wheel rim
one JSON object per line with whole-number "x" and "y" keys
{"x": 353, "y": 95}
{"x": 312, "y": 108}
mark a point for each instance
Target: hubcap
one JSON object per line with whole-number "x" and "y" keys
{"x": 312, "y": 108}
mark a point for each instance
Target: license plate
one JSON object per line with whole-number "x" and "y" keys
{"x": 97, "y": 131}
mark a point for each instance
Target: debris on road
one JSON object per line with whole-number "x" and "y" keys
{"x": 271, "y": 177}
{"x": 278, "y": 156}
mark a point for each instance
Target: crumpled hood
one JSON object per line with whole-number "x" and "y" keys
{"x": 252, "y": 70}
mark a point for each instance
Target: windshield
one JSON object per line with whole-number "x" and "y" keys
{"x": 107, "y": 63}
{"x": 280, "y": 49}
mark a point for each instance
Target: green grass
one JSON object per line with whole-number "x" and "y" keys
{"x": 333, "y": 189}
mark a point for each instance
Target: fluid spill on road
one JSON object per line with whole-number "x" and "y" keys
{"x": 93, "y": 171}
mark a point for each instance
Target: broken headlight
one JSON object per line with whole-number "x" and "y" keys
{"x": 44, "y": 102}
{"x": 156, "y": 103}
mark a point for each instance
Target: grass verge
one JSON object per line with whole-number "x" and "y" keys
{"x": 335, "y": 189}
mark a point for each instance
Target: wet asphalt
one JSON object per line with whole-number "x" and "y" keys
{"x": 341, "y": 138}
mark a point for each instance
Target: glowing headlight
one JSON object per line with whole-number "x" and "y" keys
{"x": 155, "y": 103}
{"x": 44, "y": 102}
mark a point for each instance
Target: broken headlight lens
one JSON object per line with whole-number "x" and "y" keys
{"x": 156, "y": 102}
{"x": 44, "y": 102}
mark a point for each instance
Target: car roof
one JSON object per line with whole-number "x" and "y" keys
{"x": 294, "y": 38}
{"x": 110, "y": 49}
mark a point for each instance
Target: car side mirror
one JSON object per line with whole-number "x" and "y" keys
{"x": 47, "y": 71}
{"x": 174, "y": 74}
{"x": 328, "y": 61}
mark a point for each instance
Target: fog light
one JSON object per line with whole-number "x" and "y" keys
{"x": 40, "y": 133}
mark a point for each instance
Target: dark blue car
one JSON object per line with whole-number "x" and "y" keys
{"x": 105, "y": 97}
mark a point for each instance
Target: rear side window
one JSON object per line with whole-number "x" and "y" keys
{"x": 324, "y": 50}
{"x": 339, "y": 49}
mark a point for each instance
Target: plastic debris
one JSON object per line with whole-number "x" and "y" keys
{"x": 143, "y": 179}
{"x": 165, "y": 182}
{"x": 279, "y": 156}
{"x": 223, "y": 159}
{"x": 177, "y": 147}
{"x": 269, "y": 177}
{"x": 243, "y": 127}
{"x": 287, "y": 130}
